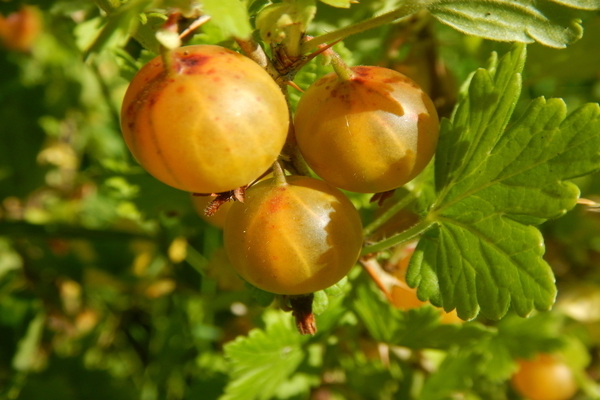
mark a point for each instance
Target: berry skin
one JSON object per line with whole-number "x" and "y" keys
{"x": 544, "y": 378}
{"x": 21, "y": 29}
{"x": 213, "y": 121}
{"x": 293, "y": 238}
{"x": 371, "y": 133}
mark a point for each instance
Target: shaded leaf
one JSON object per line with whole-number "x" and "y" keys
{"x": 522, "y": 21}
{"x": 417, "y": 328}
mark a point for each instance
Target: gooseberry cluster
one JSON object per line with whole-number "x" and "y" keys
{"x": 206, "y": 119}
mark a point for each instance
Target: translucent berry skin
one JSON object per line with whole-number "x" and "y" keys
{"x": 294, "y": 238}
{"x": 544, "y": 378}
{"x": 372, "y": 133}
{"x": 213, "y": 121}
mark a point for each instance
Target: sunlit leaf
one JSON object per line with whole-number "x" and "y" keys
{"x": 263, "y": 360}
{"x": 494, "y": 184}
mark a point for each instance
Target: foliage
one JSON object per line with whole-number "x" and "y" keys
{"x": 111, "y": 285}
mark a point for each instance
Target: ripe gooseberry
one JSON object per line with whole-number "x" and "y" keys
{"x": 20, "y": 29}
{"x": 371, "y": 133}
{"x": 294, "y": 237}
{"x": 545, "y": 377}
{"x": 210, "y": 122}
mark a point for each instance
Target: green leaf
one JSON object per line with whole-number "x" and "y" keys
{"x": 493, "y": 184}
{"x": 320, "y": 302}
{"x": 264, "y": 360}
{"x": 581, "y": 4}
{"x": 518, "y": 338}
{"x": 524, "y": 21}
{"x": 229, "y": 15}
{"x": 457, "y": 373}
{"x": 277, "y": 21}
{"x": 27, "y": 357}
{"x": 262, "y": 298}
{"x": 418, "y": 328}
{"x": 119, "y": 20}
{"x": 339, "y": 3}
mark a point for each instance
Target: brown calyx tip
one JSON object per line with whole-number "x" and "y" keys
{"x": 380, "y": 198}
{"x": 302, "y": 312}
{"x": 222, "y": 198}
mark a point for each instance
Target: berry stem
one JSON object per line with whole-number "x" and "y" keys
{"x": 372, "y": 267}
{"x": 252, "y": 50}
{"x": 278, "y": 174}
{"x": 343, "y": 71}
{"x": 383, "y": 218}
{"x": 292, "y": 41}
{"x": 408, "y": 8}
{"x": 402, "y": 237}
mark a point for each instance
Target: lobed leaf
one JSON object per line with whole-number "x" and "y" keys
{"x": 264, "y": 360}
{"x": 493, "y": 184}
{"x": 553, "y": 24}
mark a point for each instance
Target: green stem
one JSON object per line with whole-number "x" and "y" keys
{"x": 399, "y": 238}
{"x": 407, "y": 9}
{"x": 292, "y": 41}
{"x": 278, "y": 174}
{"x": 343, "y": 71}
{"x": 383, "y": 218}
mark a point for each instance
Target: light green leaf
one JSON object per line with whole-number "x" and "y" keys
{"x": 262, "y": 298}
{"x": 264, "y": 360}
{"x": 276, "y": 22}
{"x": 339, "y": 3}
{"x": 493, "y": 184}
{"x": 522, "y": 21}
{"x": 457, "y": 373}
{"x": 27, "y": 357}
{"x": 320, "y": 302}
{"x": 581, "y": 4}
{"x": 120, "y": 20}
{"x": 229, "y": 15}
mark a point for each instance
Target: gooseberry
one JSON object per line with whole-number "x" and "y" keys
{"x": 371, "y": 133}
{"x": 545, "y": 377}
{"x": 20, "y": 29}
{"x": 211, "y": 121}
{"x": 294, "y": 237}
